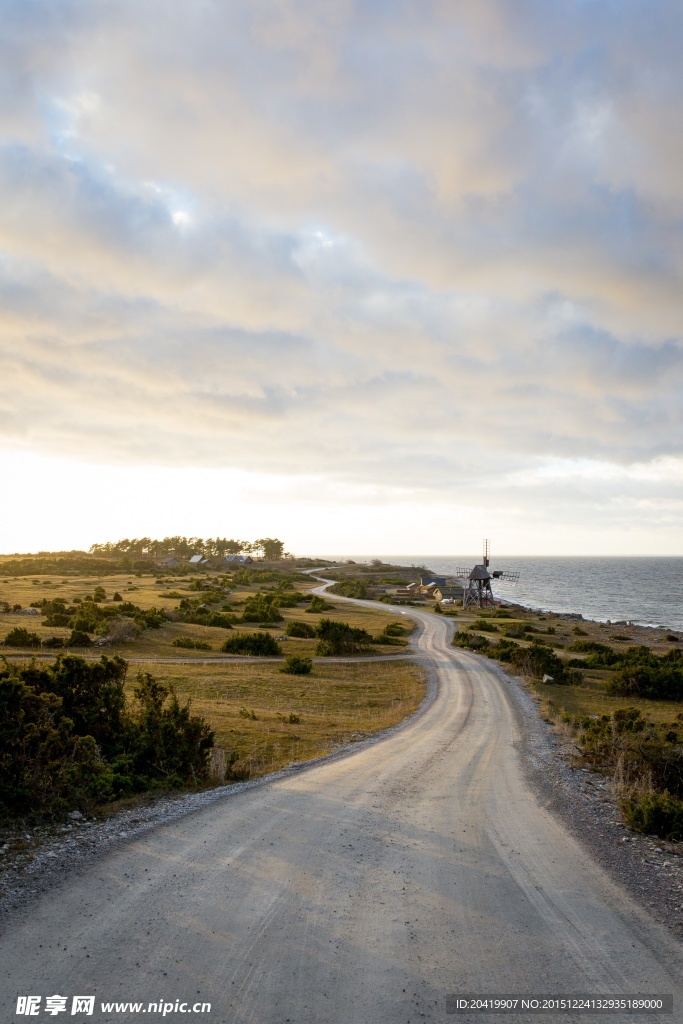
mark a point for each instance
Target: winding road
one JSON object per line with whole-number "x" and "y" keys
{"x": 363, "y": 890}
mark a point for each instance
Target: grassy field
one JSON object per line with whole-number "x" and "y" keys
{"x": 149, "y": 592}
{"x": 270, "y": 719}
{"x": 592, "y": 700}
{"x": 559, "y": 631}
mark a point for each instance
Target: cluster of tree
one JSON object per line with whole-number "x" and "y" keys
{"x": 69, "y": 737}
{"x": 185, "y": 547}
{"x": 648, "y": 757}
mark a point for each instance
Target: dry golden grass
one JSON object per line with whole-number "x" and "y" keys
{"x": 147, "y": 592}
{"x": 336, "y": 704}
{"x": 592, "y": 700}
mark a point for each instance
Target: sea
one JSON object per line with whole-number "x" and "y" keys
{"x": 644, "y": 590}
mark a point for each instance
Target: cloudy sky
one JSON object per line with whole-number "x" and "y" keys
{"x": 374, "y": 276}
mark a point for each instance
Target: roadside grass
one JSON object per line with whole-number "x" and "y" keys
{"x": 296, "y": 717}
{"x": 564, "y": 631}
{"x": 149, "y": 592}
{"x": 592, "y": 700}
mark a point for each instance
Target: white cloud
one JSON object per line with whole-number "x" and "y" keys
{"x": 417, "y": 245}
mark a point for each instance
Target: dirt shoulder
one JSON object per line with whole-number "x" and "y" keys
{"x": 650, "y": 869}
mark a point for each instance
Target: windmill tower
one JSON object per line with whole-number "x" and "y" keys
{"x": 477, "y": 588}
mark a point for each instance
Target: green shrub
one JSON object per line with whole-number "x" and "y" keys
{"x": 290, "y": 600}
{"x": 58, "y": 619}
{"x": 220, "y": 619}
{"x": 20, "y": 637}
{"x": 170, "y": 746}
{"x": 390, "y": 641}
{"x": 68, "y": 737}
{"x": 255, "y": 644}
{"x": 53, "y": 641}
{"x": 515, "y": 631}
{"x": 318, "y": 604}
{"x": 657, "y": 814}
{"x": 296, "y": 666}
{"x": 152, "y": 618}
{"x": 117, "y": 597}
{"x": 471, "y": 641}
{"x": 190, "y": 644}
{"x": 262, "y": 608}
{"x": 661, "y": 682}
{"x": 304, "y": 630}
{"x": 350, "y": 588}
{"x": 484, "y": 626}
{"x": 338, "y": 638}
{"x": 78, "y": 638}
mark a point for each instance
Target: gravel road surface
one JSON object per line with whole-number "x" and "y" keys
{"x": 364, "y": 890}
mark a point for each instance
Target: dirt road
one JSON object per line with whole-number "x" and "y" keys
{"x": 364, "y": 890}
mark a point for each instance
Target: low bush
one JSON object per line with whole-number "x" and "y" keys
{"x": 395, "y": 629}
{"x": 338, "y": 638}
{"x": 318, "y": 604}
{"x": 390, "y": 641}
{"x": 262, "y": 608}
{"x": 471, "y": 641}
{"x": 303, "y": 630}
{"x": 20, "y": 637}
{"x": 350, "y": 588}
{"x": 78, "y": 638}
{"x": 254, "y": 644}
{"x": 661, "y": 682}
{"x": 297, "y": 666}
{"x": 657, "y": 814}
{"x": 190, "y": 644}
{"x": 484, "y": 625}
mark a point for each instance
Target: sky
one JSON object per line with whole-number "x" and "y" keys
{"x": 371, "y": 277}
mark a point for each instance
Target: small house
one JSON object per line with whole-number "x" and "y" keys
{"x": 198, "y": 560}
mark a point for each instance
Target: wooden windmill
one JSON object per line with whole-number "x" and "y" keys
{"x": 477, "y": 587}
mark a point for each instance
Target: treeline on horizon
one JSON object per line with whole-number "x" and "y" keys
{"x": 137, "y": 553}
{"x": 184, "y": 547}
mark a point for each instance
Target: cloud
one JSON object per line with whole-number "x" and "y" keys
{"x": 373, "y": 242}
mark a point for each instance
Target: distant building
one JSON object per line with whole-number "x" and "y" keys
{"x": 426, "y": 580}
{"x": 169, "y": 563}
{"x": 198, "y": 560}
{"x": 239, "y": 559}
{"x": 447, "y": 593}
